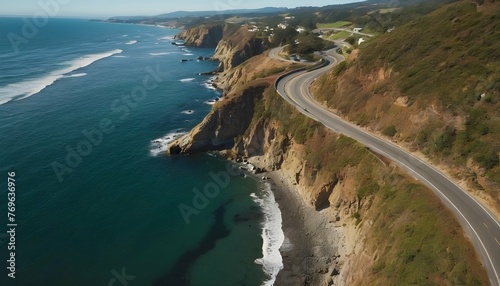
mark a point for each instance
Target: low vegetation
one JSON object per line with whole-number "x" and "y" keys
{"x": 337, "y": 24}
{"x": 339, "y": 35}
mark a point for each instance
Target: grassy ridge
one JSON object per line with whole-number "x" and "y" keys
{"x": 447, "y": 66}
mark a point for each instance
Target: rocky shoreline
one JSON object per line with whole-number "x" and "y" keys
{"x": 310, "y": 255}
{"x": 311, "y": 250}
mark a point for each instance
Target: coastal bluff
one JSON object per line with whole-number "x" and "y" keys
{"x": 205, "y": 36}
{"x": 219, "y": 128}
{"x": 349, "y": 221}
{"x": 233, "y": 44}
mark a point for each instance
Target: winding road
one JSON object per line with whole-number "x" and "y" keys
{"x": 479, "y": 224}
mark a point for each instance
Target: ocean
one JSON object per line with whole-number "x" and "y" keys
{"x": 86, "y": 111}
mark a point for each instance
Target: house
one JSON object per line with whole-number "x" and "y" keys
{"x": 253, "y": 29}
{"x": 282, "y": 25}
{"x": 357, "y": 30}
{"x": 360, "y": 40}
{"x": 300, "y": 29}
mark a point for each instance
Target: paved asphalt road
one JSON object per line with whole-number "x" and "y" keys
{"x": 479, "y": 224}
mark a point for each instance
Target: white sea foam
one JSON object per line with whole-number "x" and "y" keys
{"x": 120, "y": 56}
{"x": 167, "y": 38}
{"x": 159, "y": 54}
{"x": 210, "y": 102}
{"x": 188, "y": 54}
{"x": 187, "y": 79}
{"x": 131, "y": 42}
{"x": 27, "y": 88}
{"x": 76, "y": 75}
{"x": 272, "y": 235}
{"x": 190, "y": 111}
{"x": 159, "y": 146}
{"x": 209, "y": 85}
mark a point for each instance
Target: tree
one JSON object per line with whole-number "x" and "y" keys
{"x": 284, "y": 36}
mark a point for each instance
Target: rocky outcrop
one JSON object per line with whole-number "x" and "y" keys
{"x": 238, "y": 46}
{"x": 233, "y": 46}
{"x": 205, "y": 36}
{"x": 227, "y": 120}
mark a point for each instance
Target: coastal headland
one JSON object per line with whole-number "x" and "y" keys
{"x": 349, "y": 215}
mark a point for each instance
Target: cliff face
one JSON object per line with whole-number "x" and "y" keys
{"x": 227, "y": 120}
{"x": 206, "y": 36}
{"x": 238, "y": 46}
{"x": 233, "y": 44}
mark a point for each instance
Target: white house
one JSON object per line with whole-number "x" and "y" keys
{"x": 300, "y": 29}
{"x": 357, "y": 30}
{"x": 360, "y": 40}
{"x": 253, "y": 29}
{"x": 282, "y": 25}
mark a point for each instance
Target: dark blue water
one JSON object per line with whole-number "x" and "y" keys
{"x": 96, "y": 199}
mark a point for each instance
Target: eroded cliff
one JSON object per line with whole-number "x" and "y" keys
{"x": 205, "y": 36}
{"x": 237, "y": 46}
{"x": 373, "y": 234}
{"x": 227, "y": 120}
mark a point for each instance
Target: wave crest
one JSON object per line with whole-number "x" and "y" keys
{"x": 27, "y": 88}
{"x": 272, "y": 235}
{"x": 159, "y": 146}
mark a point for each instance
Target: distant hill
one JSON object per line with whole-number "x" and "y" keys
{"x": 181, "y": 14}
{"x": 266, "y": 10}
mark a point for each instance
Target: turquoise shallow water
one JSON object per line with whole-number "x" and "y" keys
{"x": 84, "y": 219}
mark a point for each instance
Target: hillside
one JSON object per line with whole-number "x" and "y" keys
{"x": 433, "y": 86}
{"x": 370, "y": 231}
{"x": 363, "y": 197}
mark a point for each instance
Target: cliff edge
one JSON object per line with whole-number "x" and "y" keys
{"x": 205, "y": 36}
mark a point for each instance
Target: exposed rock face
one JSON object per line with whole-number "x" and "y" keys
{"x": 226, "y": 121}
{"x": 233, "y": 47}
{"x": 203, "y": 36}
{"x": 237, "y": 47}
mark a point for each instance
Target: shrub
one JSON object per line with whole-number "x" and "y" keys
{"x": 390, "y": 131}
{"x": 487, "y": 160}
{"x": 444, "y": 140}
{"x": 339, "y": 68}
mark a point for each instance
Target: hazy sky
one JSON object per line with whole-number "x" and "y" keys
{"x": 107, "y": 8}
